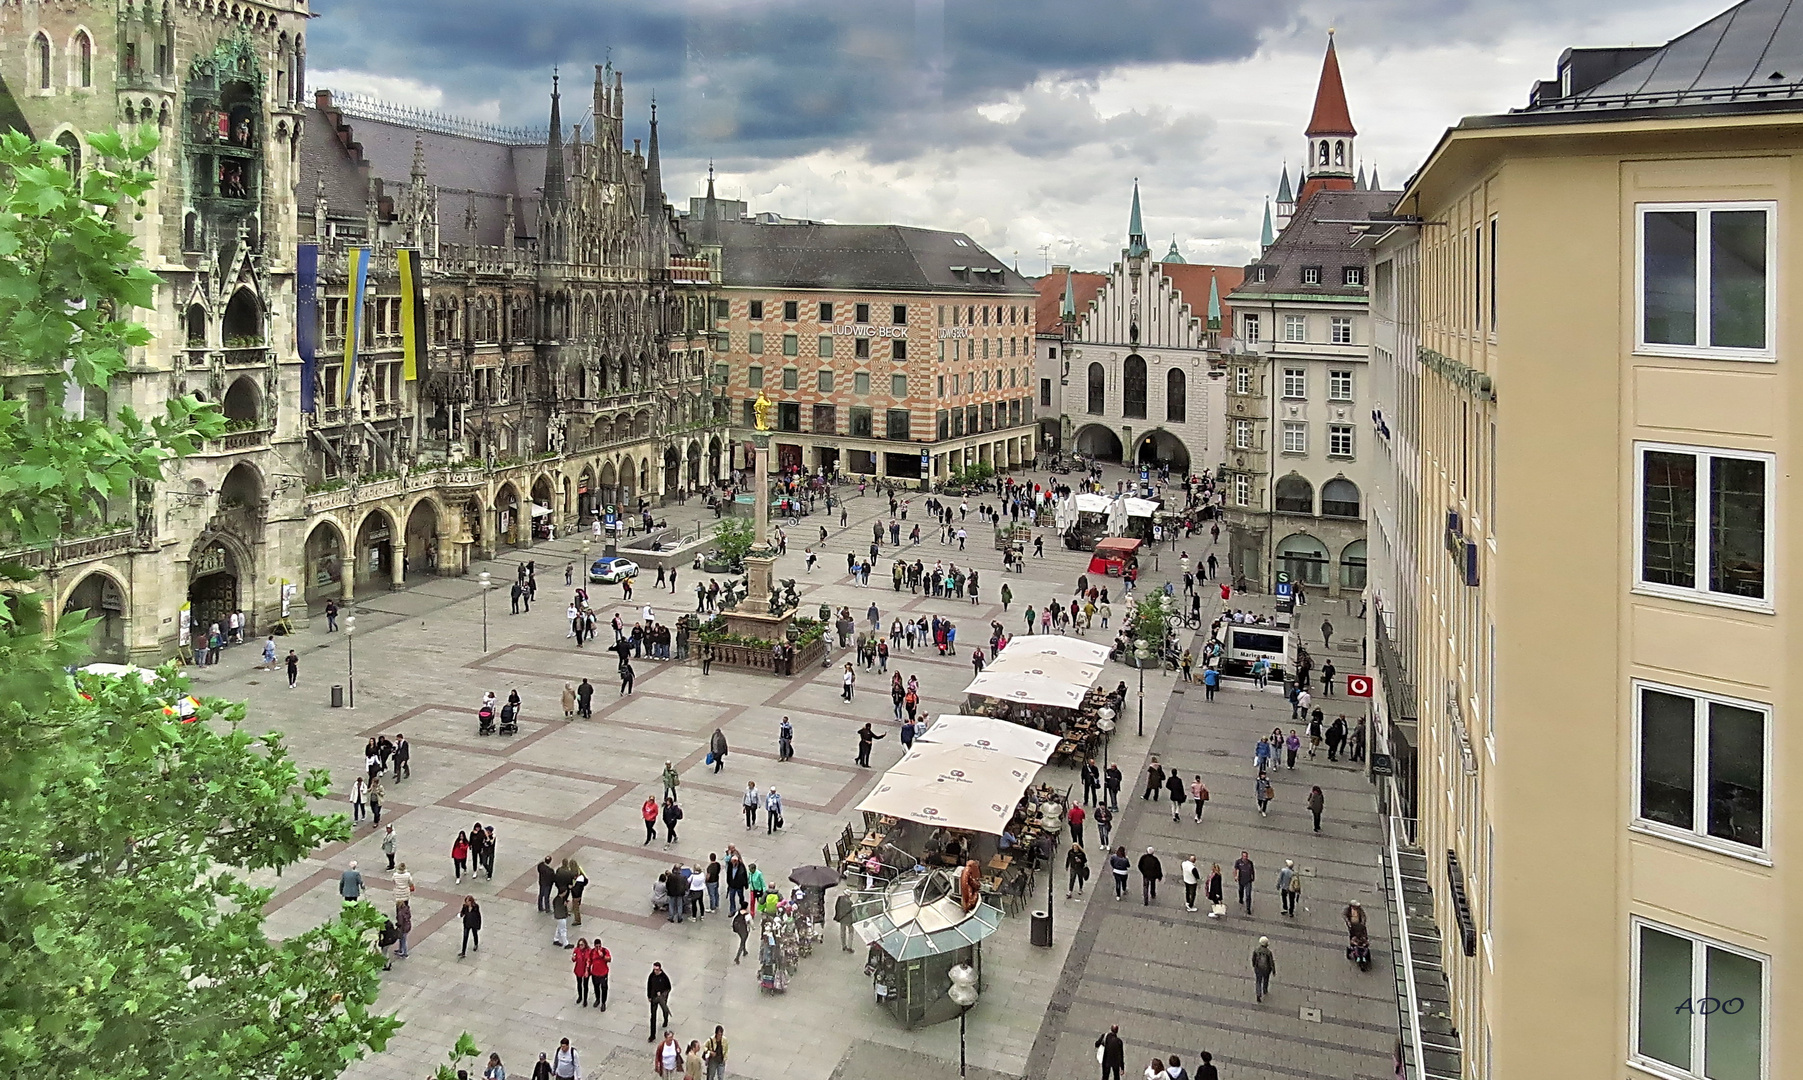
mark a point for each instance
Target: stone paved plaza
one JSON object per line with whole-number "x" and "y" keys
{"x": 574, "y": 788}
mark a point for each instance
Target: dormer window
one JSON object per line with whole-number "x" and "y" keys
{"x": 1311, "y": 275}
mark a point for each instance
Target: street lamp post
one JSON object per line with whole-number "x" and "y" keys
{"x": 1140, "y": 655}
{"x": 1105, "y": 721}
{"x": 484, "y": 581}
{"x": 350, "y": 662}
{"x": 963, "y": 994}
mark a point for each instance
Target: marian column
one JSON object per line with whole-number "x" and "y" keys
{"x": 762, "y": 557}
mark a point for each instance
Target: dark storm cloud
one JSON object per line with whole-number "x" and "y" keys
{"x": 749, "y": 80}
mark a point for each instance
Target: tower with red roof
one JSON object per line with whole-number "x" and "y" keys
{"x": 1330, "y": 133}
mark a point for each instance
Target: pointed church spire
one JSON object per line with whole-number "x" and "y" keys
{"x": 1285, "y": 194}
{"x": 1331, "y": 117}
{"x": 1067, "y": 309}
{"x": 1214, "y": 304}
{"x": 1136, "y": 229}
{"x": 654, "y": 175}
{"x": 554, "y": 150}
{"x": 1173, "y": 255}
{"x": 1267, "y": 238}
{"x": 1359, "y": 184}
{"x": 710, "y": 212}
{"x": 419, "y": 155}
{"x": 1375, "y": 186}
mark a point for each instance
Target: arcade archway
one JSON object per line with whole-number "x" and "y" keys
{"x": 213, "y": 586}
{"x": 422, "y": 538}
{"x": 507, "y": 516}
{"x": 374, "y": 552}
{"x": 1099, "y": 442}
{"x": 325, "y": 562}
{"x": 100, "y": 597}
{"x": 1160, "y": 447}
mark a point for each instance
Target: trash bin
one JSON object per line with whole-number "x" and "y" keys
{"x": 1041, "y": 930}
{"x": 337, "y": 697}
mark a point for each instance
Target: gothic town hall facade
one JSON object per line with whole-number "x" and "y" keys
{"x": 530, "y": 344}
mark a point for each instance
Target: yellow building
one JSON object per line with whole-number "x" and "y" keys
{"x": 1586, "y": 641}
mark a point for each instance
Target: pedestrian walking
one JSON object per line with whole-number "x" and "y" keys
{"x": 350, "y": 883}
{"x": 1118, "y": 865}
{"x": 1326, "y": 634}
{"x": 560, "y": 910}
{"x": 1075, "y": 817}
{"x": 1217, "y": 906}
{"x": 1192, "y": 881}
{"x": 713, "y": 1054}
{"x": 785, "y": 740}
{"x": 1076, "y": 865}
{"x": 1104, "y": 824}
{"x": 1151, "y": 872}
{"x": 1316, "y": 803}
{"x": 741, "y": 925}
{"x": 1179, "y": 793}
{"x": 1112, "y": 1053}
{"x": 649, "y": 811}
{"x": 471, "y": 915}
{"x": 1289, "y": 886}
{"x": 293, "y": 669}
{"x": 403, "y": 907}
{"x": 626, "y": 677}
{"x": 716, "y": 749}
{"x": 1198, "y": 796}
{"x": 585, "y": 696}
{"x": 671, "y": 779}
{"x": 657, "y": 992}
{"x": 1264, "y": 965}
{"x": 1262, "y": 790}
{"x": 1244, "y": 873}
{"x": 599, "y": 962}
{"x": 1328, "y": 671}
{"x": 848, "y": 680}
{"x": 1092, "y": 782}
{"x": 773, "y": 812}
{"x": 1154, "y": 780}
{"x": 547, "y": 876}
{"x": 842, "y": 914}
{"x": 672, "y": 814}
{"x": 388, "y": 844}
{"x": 866, "y": 737}
{"x": 1211, "y": 681}
{"x": 565, "y": 1065}
{"x": 751, "y": 802}
{"x": 1111, "y": 783}
{"x": 376, "y": 795}
{"x": 359, "y": 791}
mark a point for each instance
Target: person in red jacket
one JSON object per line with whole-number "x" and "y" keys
{"x": 599, "y": 960}
{"x": 460, "y": 854}
{"x": 649, "y": 812}
{"x": 1075, "y": 817}
{"x": 580, "y": 958}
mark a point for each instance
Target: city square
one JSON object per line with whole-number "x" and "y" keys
{"x": 573, "y": 787}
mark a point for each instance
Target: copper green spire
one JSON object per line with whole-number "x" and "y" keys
{"x": 1136, "y": 229}
{"x": 1269, "y": 237}
{"x": 1214, "y": 304}
{"x": 1068, "y": 309}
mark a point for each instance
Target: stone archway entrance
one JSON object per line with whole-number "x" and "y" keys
{"x": 585, "y": 495}
{"x": 374, "y": 551}
{"x": 1160, "y": 447}
{"x": 694, "y": 465}
{"x": 672, "y": 470}
{"x": 508, "y": 529}
{"x": 325, "y": 563}
{"x": 1099, "y": 442}
{"x": 422, "y": 538}
{"x": 99, "y": 597}
{"x": 212, "y": 587}
{"x": 713, "y": 459}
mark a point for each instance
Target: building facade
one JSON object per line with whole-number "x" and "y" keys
{"x": 1297, "y": 374}
{"x": 1147, "y": 390}
{"x": 887, "y": 351}
{"x": 562, "y": 337}
{"x": 1062, "y": 293}
{"x": 1588, "y": 643}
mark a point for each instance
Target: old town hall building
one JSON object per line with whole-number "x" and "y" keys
{"x": 559, "y": 315}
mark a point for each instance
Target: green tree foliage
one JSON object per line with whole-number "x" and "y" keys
{"x": 1152, "y": 617}
{"x": 733, "y": 537}
{"x": 132, "y": 944}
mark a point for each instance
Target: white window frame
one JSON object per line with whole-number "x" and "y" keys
{"x": 1703, "y": 209}
{"x": 1352, "y": 276}
{"x": 1335, "y": 431}
{"x": 1699, "y": 974}
{"x": 1298, "y": 428}
{"x": 1334, "y": 377}
{"x": 1311, "y": 275}
{"x": 1700, "y": 593}
{"x": 1242, "y": 434}
{"x": 1242, "y": 380}
{"x": 1242, "y": 489}
{"x": 1339, "y": 329}
{"x": 1295, "y": 328}
{"x": 1296, "y": 380}
{"x": 1251, "y": 328}
{"x": 1699, "y": 836}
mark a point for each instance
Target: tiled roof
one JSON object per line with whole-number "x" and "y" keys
{"x": 1317, "y": 236}
{"x": 1084, "y": 287}
{"x": 1331, "y": 116}
{"x": 867, "y": 257}
{"x": 1191, "y": 279}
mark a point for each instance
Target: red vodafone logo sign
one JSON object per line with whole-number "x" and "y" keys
{"x": 1358, "y": 686}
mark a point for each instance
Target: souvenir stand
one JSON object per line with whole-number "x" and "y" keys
{"x": 918, "y": 929}
{"x": 784, "y": 937}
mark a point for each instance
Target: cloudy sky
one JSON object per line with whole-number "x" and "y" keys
{"x": 1021, "y": 122}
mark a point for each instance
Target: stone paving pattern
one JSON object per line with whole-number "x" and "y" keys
{"x": 574, "y": 788}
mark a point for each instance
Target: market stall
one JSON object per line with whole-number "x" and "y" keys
{"x": 918, "y": 929}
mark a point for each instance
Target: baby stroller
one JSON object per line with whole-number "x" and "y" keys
{"x": 510, "y": 719}
{"x": 485, "y": 720}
